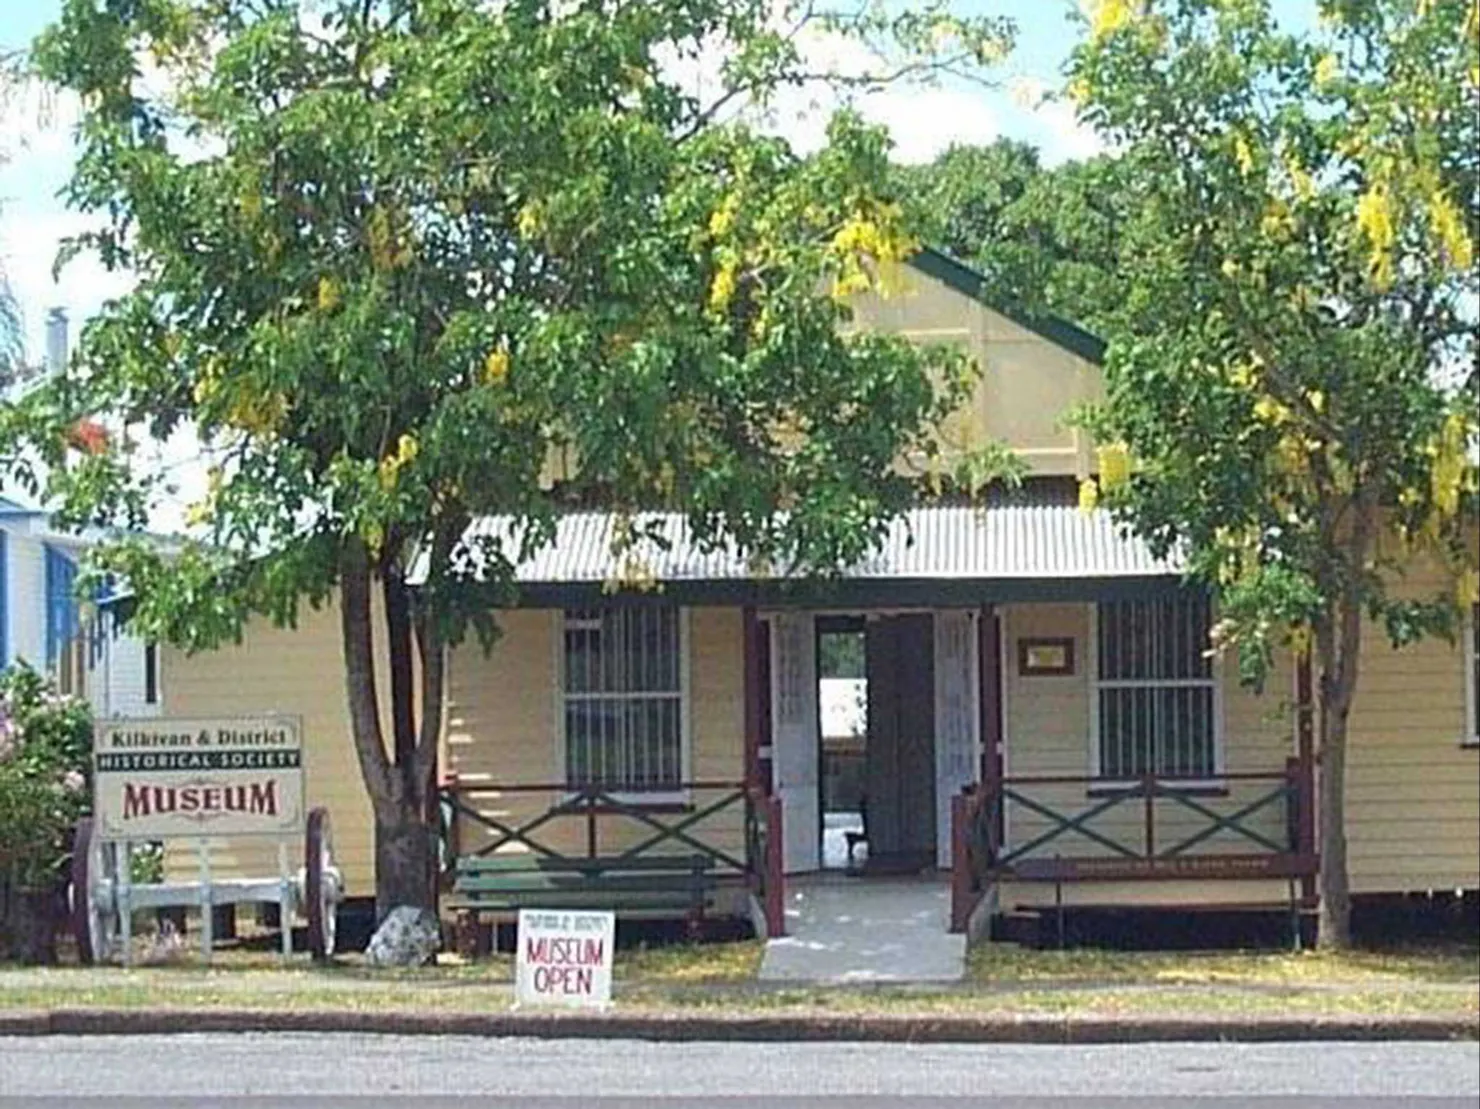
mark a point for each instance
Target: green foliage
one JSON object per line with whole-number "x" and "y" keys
{"x": 1045, "y": 238}
{"x": 394, "y": 260}
{"x": 1292, "y": 368}
{"x": 45, "y": 747}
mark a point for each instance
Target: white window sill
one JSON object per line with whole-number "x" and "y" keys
{"x": 1215, "y": 786}
{"x": 642, "y": 800}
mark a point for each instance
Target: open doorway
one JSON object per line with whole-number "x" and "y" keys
{"x": 842, "y": 699}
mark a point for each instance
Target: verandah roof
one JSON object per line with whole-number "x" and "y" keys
{"x": 1003, "y": 551}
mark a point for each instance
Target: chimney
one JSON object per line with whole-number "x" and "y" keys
{"x": 56, "y": 340}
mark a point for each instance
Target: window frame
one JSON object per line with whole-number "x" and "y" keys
{"x": 1470, "y": 653}
{"x": 1213, "y": 783}
{"x": 656, "y": 798}
{"x": 153, "y": 693}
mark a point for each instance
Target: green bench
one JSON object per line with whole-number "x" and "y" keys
{"x": 649, "y": 886}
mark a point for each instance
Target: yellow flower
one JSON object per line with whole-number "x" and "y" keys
{"x": 1326, "y": 70}
{"x": 496, "y": 367}
{"x": 328, "y": 294}
{"x": 198, "y": 513}
{"x": 530, "y": 220}
{"x": 1375, "y": 220}
{"x": 1115, "y": 465}
{"x": 1089, "y": 495}
{"x": 1467, "y": 588}
{"x": 406, "y": 449}
{"x": 1271, "y": 411}
{"x": 1449, "y": 228}
{"x": 1108, "y": 16}
{"x": 723, "y": 287}
{"x": 723, "y": 217}
{"x": 1243, "y": 153}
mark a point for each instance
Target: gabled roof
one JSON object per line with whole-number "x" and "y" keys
{"x": 969, "y": 282}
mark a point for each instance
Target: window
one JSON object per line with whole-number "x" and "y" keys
{"x": 1157, "y": 702}
{"x": 1471, "y": 636}
{"x": 151, "y": 673}
{"x": 61, "y": 605}
{"x": 623, "y": 694}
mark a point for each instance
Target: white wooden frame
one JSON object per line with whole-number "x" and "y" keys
{"x": 1092, "y": 677}
{"x": 685, "y": 714}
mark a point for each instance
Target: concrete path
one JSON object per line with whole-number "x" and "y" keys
{"x": 866, "y": 930}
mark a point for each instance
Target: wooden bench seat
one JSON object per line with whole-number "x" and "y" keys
{"x": 659, "y": 885}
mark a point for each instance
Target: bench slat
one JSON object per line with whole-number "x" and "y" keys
{"x": 575, "y": 899}
{"x": 534, "y": 883}
{"x": 476, "y": 864}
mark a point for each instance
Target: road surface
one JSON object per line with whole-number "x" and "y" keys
{"x": 426, "y": 1072}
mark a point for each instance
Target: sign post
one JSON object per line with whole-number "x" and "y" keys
{"x": 195, "y": 780}
{"x": 564, "y": 958}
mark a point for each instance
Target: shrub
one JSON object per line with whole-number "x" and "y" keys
{"x": 45, "y": 743}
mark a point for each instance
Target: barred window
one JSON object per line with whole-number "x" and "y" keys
{"x": 1156, "y": 688}
{"x": 623, "y": 698}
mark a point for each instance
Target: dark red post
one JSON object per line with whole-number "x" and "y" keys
{"x": 989, "y": 666}
{"x": 775, "y": 906}
{"x": 961, "y": 876}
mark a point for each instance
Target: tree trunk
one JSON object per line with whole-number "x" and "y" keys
{"x": 405, "y": 847}
{"x": 402, "y": 787}
{"x": 405, "y": 856}
{"x": 1339, "y": 647}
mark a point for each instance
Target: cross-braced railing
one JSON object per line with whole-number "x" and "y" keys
{"x": 1236, "y": 825}
{"x": 620, "y": 826}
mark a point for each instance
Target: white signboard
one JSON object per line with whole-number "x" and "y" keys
{"x": 564, "y": 958}
{"x": 161, "y": 779}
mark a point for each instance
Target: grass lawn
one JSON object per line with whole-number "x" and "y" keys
{"x": 1002, "y": 981}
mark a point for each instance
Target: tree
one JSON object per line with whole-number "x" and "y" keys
{"x": 1045, "y": 238}
{"x": 1291, "y": 383}
{"x": 395, "y": 258}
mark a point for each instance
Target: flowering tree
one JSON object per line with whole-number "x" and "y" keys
{"x": 394, "y": 259}
{"x": 1292, "y": 374}
{"x": 45, "y": 742}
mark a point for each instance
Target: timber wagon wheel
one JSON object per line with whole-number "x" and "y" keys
{"x": 94, "y": 914}
{"x": 322, "y": 885}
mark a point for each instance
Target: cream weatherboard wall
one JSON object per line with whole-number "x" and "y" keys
{"x": 298, "y": 671}
{"x": 1413, "y": 782}
{"x": 1048, "y": 730}
{"x": 1027, "y": 384}
{"x": 504, "y": 728}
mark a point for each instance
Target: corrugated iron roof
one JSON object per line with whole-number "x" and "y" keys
{"x": 997, "y": 542}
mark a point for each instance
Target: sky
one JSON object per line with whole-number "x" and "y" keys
{"x": 36, "y": 140}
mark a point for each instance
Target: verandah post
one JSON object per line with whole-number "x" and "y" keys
{"x": 961, "y": 876}
{"x": 775, "y": 874}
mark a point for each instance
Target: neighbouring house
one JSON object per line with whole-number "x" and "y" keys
{"x": 1044, "y": 725}
{"x": 43, "y": 621}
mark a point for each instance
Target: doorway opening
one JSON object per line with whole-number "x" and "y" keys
{"x": 842, "y": 699}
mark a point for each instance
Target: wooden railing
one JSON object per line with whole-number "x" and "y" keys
{"x": 662, "y": 827}
{"x": 1234, "y": 805}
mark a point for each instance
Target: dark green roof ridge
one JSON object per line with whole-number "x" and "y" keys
{"x": 969, "y": 282}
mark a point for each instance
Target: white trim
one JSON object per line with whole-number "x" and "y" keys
{"x": 1092, "y": 675}
{"x": 1470, "y": 729}
{"x": 1004, "y": 680}
{"x": 685, "y": 709}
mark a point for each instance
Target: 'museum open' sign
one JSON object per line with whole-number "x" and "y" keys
{"x": 159, "y": 779}
{"x": 564, "y": 958}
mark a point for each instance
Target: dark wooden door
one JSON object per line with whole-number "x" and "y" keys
{"x": 900, "y": 753}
